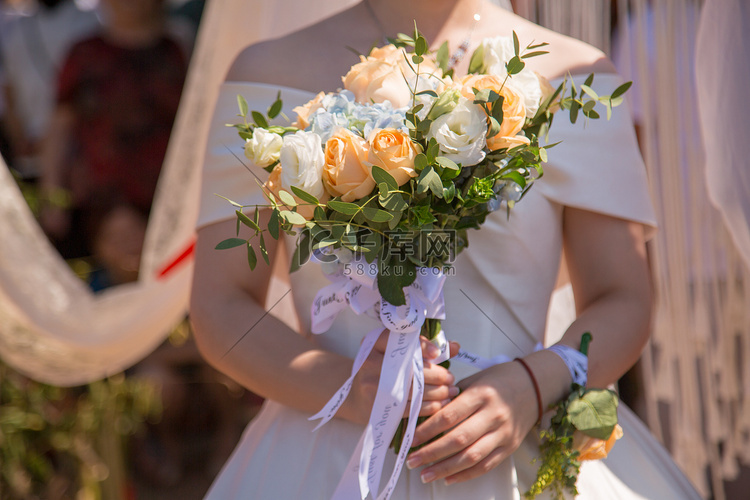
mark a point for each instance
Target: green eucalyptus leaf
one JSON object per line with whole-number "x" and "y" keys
{"x": 515, "y": 65}
{"x": 252, "y": 259}
{"x": 275, "y": 108}
{"x": 589, "y": 80}
{"x": 594, "y": 413}
{"x": 259, "y": 119}
{"x": 516, "y": 44}
{"x": 382, "y": 176}
{"x": 287, "y": 199}
{"x": 273, "y": 224}
{"x": 247, "y": 220}
{"x": 446, "y": 163}
{"x": 590, "y": 92}
{"x": 443, "y": 56}
{"x": 230, "y": 243}
{"x": 420, "y": 162}
{"x": 305, "y": 196}
{"x": 343, "y": 207}
{"x": 396, "y": 219}
{"x": 376, "y": 215}
{"x": 433, "y": 149}
{"x": 393, "y": 202}
{"x": 234, "y": 203}
{"x": 476, "y": 63}
{"x": 621, "y": 90}
{"x": 420, "y": 46}
{"x": 292, "y": 217}
{"x": 263, "y": 250}
{"x": 534, "y": 54}
{"x": 242, "y": 103}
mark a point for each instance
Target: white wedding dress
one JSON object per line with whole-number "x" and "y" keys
{"x": 496, "y": 303}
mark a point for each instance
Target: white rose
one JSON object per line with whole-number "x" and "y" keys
{"x": 263, "y": 148}
{"x": 461, "y": 133}
{"x": 498, "y": 51}
{"x": 302, "y": 163}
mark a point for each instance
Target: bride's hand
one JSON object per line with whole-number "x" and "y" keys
{"x": 482, "y": 426}
{"x": 439, "y": 385}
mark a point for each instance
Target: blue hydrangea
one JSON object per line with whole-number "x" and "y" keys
{"x": 339, "y": 109}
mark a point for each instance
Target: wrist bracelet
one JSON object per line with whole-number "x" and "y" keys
{"x": 536, "y": 389}
{"x": 576, "y": 361}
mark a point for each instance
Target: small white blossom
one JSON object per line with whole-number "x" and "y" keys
{"x": 263, "y": 148}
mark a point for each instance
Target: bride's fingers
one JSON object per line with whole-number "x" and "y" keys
{"x": 428, "y": 407}
{"x": 439, "y": 392}
{"x": 429, "y": 350}
{"x": 454, "y": 348}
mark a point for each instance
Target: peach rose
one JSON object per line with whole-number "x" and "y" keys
{"x": 377, "y": 78}
{"x": 307, "y": 109}
{"x": 273, "y": 184}
{"x": 382, "y": 76}
{"x": 393, "y": 151}
{"x": 514, "y": 112}
{"x": 591, "y": 448}
{"x": 499, "y": 142}
{"x": 346, "y": 172}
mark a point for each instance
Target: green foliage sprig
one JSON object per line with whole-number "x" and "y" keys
{"x": 592, "y": 412}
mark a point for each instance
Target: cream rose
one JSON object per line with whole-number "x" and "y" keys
{"x": 393, "y": 151}
{"x": 514, "y": 112}
{"x": 591, "y": 448}
{"x": 307, "y": 109}
{"x": 498, "y": 51}
{"x": 302, "y": 163}
{"x": 263, "y": 148}
{"x": 346, "y": 173}
{"x": 461, "y": 133}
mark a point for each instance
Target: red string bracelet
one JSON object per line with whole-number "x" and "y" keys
{"x": 536, "y": 389}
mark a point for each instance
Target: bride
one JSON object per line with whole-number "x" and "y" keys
{"x": 592, "y": 203}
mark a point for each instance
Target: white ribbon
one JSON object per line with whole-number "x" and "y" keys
{"x": 355, "y": 286}
{"x": 403, "y": 367}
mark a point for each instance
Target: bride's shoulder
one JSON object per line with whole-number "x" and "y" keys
{"x": 567, "y": 55}
{"x": 313, "y": 58}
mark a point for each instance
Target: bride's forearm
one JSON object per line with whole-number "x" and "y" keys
{"x": 263, "y": 354}
{"x": 236, "y": 334}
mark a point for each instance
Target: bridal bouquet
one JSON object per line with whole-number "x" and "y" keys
{"x": 381, "y": 182}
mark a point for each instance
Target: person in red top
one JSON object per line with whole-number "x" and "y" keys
{"x": 118, "y": 93}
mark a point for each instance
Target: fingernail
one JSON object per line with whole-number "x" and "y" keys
{"x": 444, "y": 402}
{"x": 453, "y": 391}
{"x": 449, "y": 481}
{"x": 427, "y": 476}
{"x": 413, "y": 462}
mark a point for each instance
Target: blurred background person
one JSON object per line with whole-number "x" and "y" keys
{"x": 34, "y": 40}
{"x": 117, "y": 96}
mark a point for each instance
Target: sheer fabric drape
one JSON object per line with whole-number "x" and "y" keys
{"x": 52, "y": 328}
